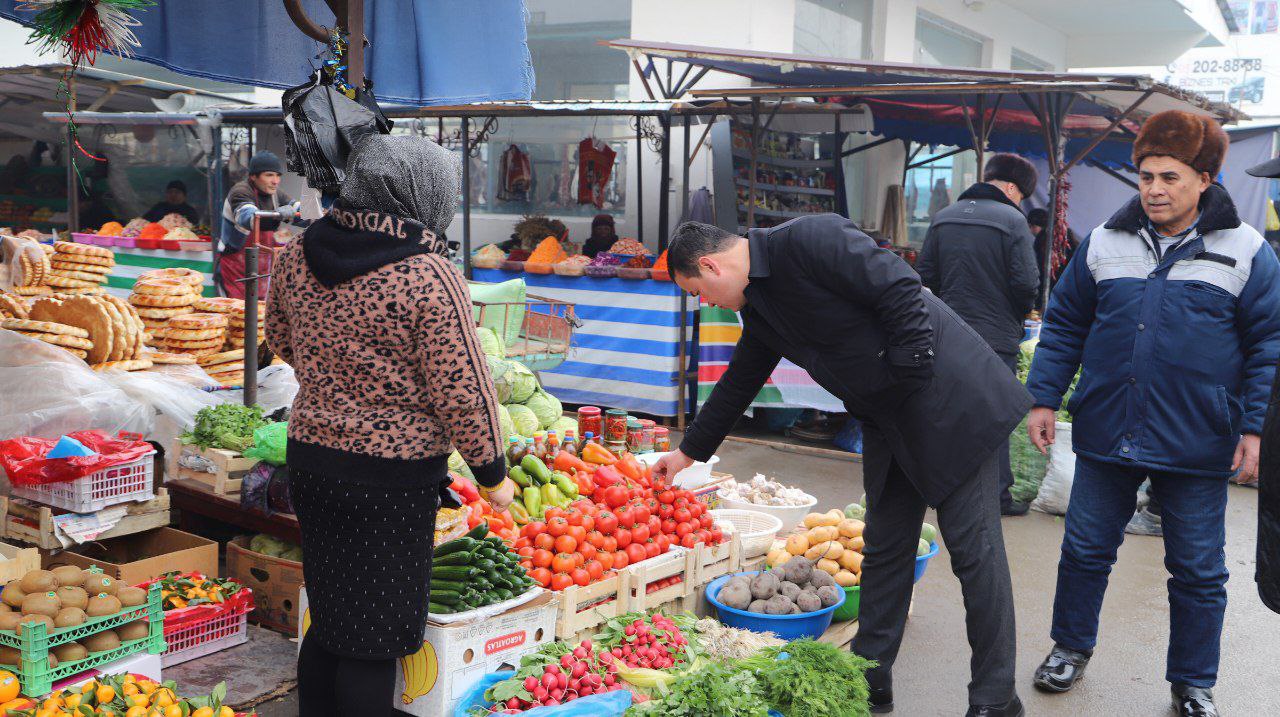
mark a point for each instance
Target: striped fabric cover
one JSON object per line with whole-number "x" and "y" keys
{"x": 131, "y": 263}
{"x": 625, "y": 354}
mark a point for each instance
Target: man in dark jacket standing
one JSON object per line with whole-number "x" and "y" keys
{"x": 979, "y": 257}
{"x": 934, "y": 400}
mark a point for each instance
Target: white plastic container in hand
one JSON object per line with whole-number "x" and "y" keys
{"x": 691, "y": 478}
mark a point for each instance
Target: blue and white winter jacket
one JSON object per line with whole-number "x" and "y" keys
{"x": 1178, "y": 353}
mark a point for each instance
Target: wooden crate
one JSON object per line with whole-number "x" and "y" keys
{"x": 714, "y": 561}
{"x": 231, "y": 467}
{"x": 16, "y": 562}
{"x": 581, "y": 610}
{"x": 32, "y": 523}
{"x": 637, "y": 578}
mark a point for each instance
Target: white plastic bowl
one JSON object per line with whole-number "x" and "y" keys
{"x": 790, "y": 515}
{"x": 691, "y": 478}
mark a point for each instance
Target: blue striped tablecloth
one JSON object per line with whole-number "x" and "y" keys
{"x": 626, "y": 353}
{"x": 131, "y": 263}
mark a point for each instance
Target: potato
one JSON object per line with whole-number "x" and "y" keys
{"x": 851, "y": 560}
{"x": 837, "y": 514}
{"x": 798, "y": 570}
{"x": 830, "y": 567}
{"x": 765, "y": 586}
{"x": 797, "y": 544}
{"x": 850, "y": 528}
{"x": 757, "y": 606}
{"x": 821, "y": 578}
{"x": 779, "y": 605}
{"x": 857, "y": 543}
{"x": 777, "y": 557}
{"x": 822, "y": 534}
{"x": 809, "y": 601}
{"x": 830, "y": 550}
{"x": 813, "y": 520}
{"x": 845, "y": 579}
{"x": 735, "y": 594}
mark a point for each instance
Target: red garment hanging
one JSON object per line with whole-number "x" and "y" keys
{"x": 595, "y": 164}
{"x": 517, "y": 175}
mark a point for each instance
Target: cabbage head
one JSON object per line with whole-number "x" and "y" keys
{"x": 500, "y": 372}
{"x": 491, "y": 343}
{"x": 562, "y": 424}
{"x": 459, "y": 466}
{"x": 546, "y": 407}
{"x": 525, "y": 420}
{"x": 508, "y": 426}
{"x": 523, "y": 382}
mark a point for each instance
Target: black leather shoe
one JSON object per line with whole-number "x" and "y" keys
{"x": 1012, "y": 708}
{"x": 1191, "y": 701}
{"x": 1014, "y": 509}
{"x": 881, "y": 692}
{"x": 1061, "y": 669}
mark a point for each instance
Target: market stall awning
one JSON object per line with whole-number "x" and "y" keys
{"x": 420, "y": 53}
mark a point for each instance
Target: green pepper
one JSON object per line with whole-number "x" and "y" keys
{"x": 536, "y": 469}
{"x": 518, "y": 475}
{"x": 566, "y": 485}
{"x": 552, "y": 496}
{"x": 519, "y": 513}
{"x": 533, "y": 502}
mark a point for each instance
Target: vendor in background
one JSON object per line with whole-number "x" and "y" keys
{"x": 603, "y": 235}
{"x": 175, "y": 202}
{"x": 258, "y": 191}
{"x": 377, "y": 324}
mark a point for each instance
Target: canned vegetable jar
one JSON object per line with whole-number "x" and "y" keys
{"x": 661, "y": 439}
{"x": 615, "y": 425}
{"x": 590, "y": 421}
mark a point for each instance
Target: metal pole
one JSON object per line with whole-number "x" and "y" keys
{"x": 466, "y": 197}
{"x": 355, "y": 48}
{"x": 980, "y": 145}
{"x": 684, "y": 174}
{"x": 1056, "y": 145}
{"x": 215, "y": 196}
{"x": 751, "y": 186}
{"x": 682, "y": 382}
{"x": 664, "y": 184}
{"x": 73, "y": 188}
{"x": 837, "y": 155}
{"x": 251, "y": 277}
{"x": 639, "y": 179}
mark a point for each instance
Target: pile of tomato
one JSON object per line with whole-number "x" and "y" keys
{"x": 623, "y": 526}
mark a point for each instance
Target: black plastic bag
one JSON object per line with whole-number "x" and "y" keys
{"x": 322, "y": 125}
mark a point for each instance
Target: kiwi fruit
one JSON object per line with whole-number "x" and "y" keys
{"x": 10, "y": 656}
{"x": 70, "y": 652}
{"x": 130, "y": 596}
{"x": 53, "y": 661}
{"x": 102, "y": 641}
{"x": 135, "y": 630}
{"x": 41, "y": 604}
{"x": 13, "y": 594}
{"x": 71, "y": 596}
{"x": 70, "y": 617}
{"x": 95, "y": 583}
{"x": 35, "y": 617}
{"x": 69, "y": 576}
{"x": 10, "y": 620}
{"x": 103, "y": 604}
{"x": 38, "y": 581}
{"x": 5, "y": 608}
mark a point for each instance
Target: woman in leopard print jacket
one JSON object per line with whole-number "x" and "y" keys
{"x": 377, "y": 324}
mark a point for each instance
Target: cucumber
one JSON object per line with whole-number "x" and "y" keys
{"x": 489, "y": 554}
{"x": 479, "y": 532}
{"x": 460, "y": 573}
{"x": 446, "y": 597}
{"x": 439, "y": 609}
{"x": 504, "y": 594}
{"x": 466, "y": 543}
{"x": 459, "y": 558}
{"x": 497, "y": 543}
{"x": 449, "y": 585}
{"x": 487, "y": 566}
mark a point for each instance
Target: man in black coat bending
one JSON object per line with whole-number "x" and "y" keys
{"x": 979, "y": 257}
{"x": 934, "y": 400}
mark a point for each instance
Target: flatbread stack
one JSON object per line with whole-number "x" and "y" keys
{"x": 33, "y": 270}
{"x": 12, "y": 307}
{"x": 198, "y": 334}
{"x": 235, "y": 336}
{"x": 72, "y": 339}
{"x": 79, "y": 269}
{"x": 226, "y": 367}
{"x": 162, "y": 294}
{"x": 113, "y": 329}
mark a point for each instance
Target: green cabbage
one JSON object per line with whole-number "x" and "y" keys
{"x": 504, "y": 420}
{"x": 523, "y": 382}
{"x": 564, "y": 423}
{"x": 459, "y": 466}
{"x": 525, "y": 420}
{"x": 546, "y": 407}
{"x": 491, "y": 343}
{"x": 500, "y": 372}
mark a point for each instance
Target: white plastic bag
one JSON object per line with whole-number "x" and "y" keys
{"x": 276, "y": 388}
{"x": 166, "y": 395}
{"x": 1055, "y": 492}
{"x": 13, "y": 249}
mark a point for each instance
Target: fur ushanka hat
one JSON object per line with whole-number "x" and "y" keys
{"x": 1194, "y": 140}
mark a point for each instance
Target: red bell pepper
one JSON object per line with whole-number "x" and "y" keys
{"x": 607, "y": 476}
{"x": 586, "y": 486}
{"x": 465, "y": 489}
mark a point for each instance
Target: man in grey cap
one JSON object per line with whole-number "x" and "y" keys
{"x": 258, "y": 191}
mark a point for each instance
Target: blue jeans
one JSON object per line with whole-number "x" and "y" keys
{"x": 1194, "y": 515}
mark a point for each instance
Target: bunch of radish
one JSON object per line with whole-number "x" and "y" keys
{"x": 578, "y": 674}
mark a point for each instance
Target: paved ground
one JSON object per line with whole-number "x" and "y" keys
{"x": 1127, "y": 675}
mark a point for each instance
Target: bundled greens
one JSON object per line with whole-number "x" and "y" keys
{"x": 227, "y": 425}
{"x": 806, "y": 678}
{"x": 714, "y": 691}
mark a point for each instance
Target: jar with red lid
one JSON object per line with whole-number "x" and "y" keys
{"x": 590, "y": 421}
{"x": 661, "y": 439}
{"x": 615, "y": 425}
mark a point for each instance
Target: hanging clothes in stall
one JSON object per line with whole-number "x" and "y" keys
{"x": 517, "y": 175}
{"x": 595, "y": 164}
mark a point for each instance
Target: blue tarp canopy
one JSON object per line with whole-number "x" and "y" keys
{"x": 421, "y": 52}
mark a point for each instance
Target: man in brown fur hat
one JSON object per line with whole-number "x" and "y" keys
{"x": 1172, "y": 311}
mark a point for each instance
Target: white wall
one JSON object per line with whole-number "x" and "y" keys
{"x": 17, "y": 53}
{"x": 1004, "y": 29}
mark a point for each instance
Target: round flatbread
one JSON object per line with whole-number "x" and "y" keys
{"x": 85, "y": 312}
{"x": 134, "y": 321}
{"x": 186, "y": 276}
{"x": 161, "y": 302}
{"x": 200, "y": 344}
{"x": 224, "y": 368}
{"x": 47, "y": 327}
{"x": 131, "y": 365}
{"x": 162, "y": 314}
{"x": 121, "y": 331}
{"x": 32, "y": 290}
{"x": 199, "y": 321}
{"x": 78, "y": 353}
{"x": 223, "y": 357}
{"x": 82, "y": 268}
{"x": 66, "y": 247}
{"x": 12, "y": 307}
{"x": 83, "y": 260}
{"x": 71, "y": 342}
{"x": 94, "y": 291}
{"x": 174, "y": 334}
{"x": 198, "y": 353}
{"x": 219, "y": 304}
{"x": 92, "y": 279}
{"x": 66, "y": 282}
{"x": 162, "y": 287}
{"x": 230, "y": 379}
{"x": 164, "y": 357}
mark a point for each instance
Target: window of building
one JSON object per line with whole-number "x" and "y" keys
{"x": 566, "y": 59}
{"x": 1255, "y": 17}
{"x": 1020, "y": 60}
{"x": 935, "y": 185}
{"x": 833, "y": 28}
{"x": 938, "y": 42}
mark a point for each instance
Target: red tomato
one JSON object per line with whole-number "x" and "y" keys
{"x": 641, "y": 513}
{"x": 522, "y": 542}
{"x": 588, "y": 551}
{"x": 558, "y": 526}
{"x": 544, "y": 541}
{"x": 607, "y": 522}
{"x": 526, "y": 564}
{"x": 563, "y": 563}
{"x": 615, "y": 496}
{"x": 669, "y": 527}
{"x": 541, "y": 576}
{"x": 706, "y": 521}
{"x": 667, "y": 497}
{"x": 664, "y": 544}
{"x": 682, "y": 515}
{"x": 620, "y": 560}
{"x": 542, "y": 558}
{"x": 665, "y": 511}
{"x": 683, "y": 529}
{"x": 626, "y": 517}
{"x": 605, "y": 559}
{"x": 574, "y": 517}
{"x": 651, "y": 550}
{"x": 550, "y": 513}
{"x": 717, "y": 536}
{"x": 581, "y": 577}
{"x": 700, "y": 535}
{"x": 588, "y": 523}
{"x": 525, "y": 552}
{"x": 535, "y": 529}
{"x": 560, "y": 581}
{"x": 655, "y": 525}
{"x": 578, "y": 560}
{"x": 596, "y": 538}
{"x": 635, "y": 553}
{"x": 610, "y": 544}
{"x": 581, "y": 505}
{"x": 640, "y": 534}
{"x": 595, "y": 569}
{"x": 624, "y": 537}
{"x": 566, "y": 544}
{"x": 688, "y": 540}
{"x": 697, "y": 508}
{"x": 682, "y": 501}
{"x": 578, "y": 533}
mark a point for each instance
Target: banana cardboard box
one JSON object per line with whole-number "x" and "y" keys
{"x": 454, "y": 657}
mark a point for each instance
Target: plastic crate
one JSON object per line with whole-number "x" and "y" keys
{"x": 216, "y": 633}
{"x": 34, "y": 642}
{"x": 120, "y": 483}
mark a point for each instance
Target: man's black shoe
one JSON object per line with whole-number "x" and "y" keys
{"x": 1015, "y": 508}
{"x": 1012, "y": 708}
{"x": 1061, "y": 669}
{"x": 1191, "y": 701}
{"x": 881, "y": 701}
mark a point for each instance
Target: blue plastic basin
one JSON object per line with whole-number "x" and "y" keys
{"x": 922, "y": 561}
{"x": 787, "y": 627}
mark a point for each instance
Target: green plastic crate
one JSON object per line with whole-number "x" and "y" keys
{"x": 34, "y": 642}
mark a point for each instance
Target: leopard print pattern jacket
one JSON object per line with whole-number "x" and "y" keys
{"x": 388, "y": 364}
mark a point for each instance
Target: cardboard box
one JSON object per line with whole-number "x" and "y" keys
{"x": 136, "y": 558}
{"x": 275, "y": 583}
{"x": 455, "y": 657}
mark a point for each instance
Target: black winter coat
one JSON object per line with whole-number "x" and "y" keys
{"x": 979, "y": 257}
{"x": 933, "y": 397}
{"x": 1268, "y": 576}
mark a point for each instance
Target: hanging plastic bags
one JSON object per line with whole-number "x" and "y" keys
{"x": 269, "y": 443}
{"x": 1055, "y": 492}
